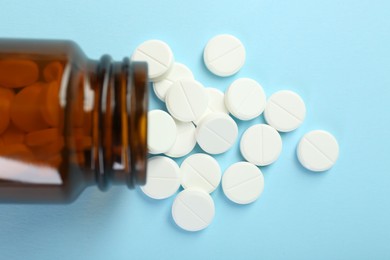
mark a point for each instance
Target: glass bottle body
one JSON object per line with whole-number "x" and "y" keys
{"x": 67, "y": 122}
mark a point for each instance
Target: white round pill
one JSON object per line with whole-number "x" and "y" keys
{"x": 163, "y": 178}
{"x": 216, "y": 133}
{"x": 261, "y": 144}
{"x": 285, "y": 111}
{"x": 224, "y": 55}
{"x": 179, "y": 71}
{"x": 318, "y": 151}
{"x": 243, "y": 183}
{"x": 185, "y": 140}
{"x": 200, "y": 171}
{"x": 157, "y": 54}
{"x": 187, "y": 100}
{"x": 245, "y": 99}
{"x": 162, "y": 131}
{"x": 216, "y": 103}
{"x": 193, "y": 210}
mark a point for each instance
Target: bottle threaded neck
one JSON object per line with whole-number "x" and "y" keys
{"x": 120, "y": 116}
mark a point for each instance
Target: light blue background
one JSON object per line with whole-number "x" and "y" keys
{"x": 336, "y": 54}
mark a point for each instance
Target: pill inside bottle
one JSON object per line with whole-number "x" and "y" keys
{"x": 68, "y": 122}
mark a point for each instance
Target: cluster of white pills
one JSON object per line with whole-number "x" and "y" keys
{"x": 204, "y": 116}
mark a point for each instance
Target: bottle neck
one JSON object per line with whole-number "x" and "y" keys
{"x": 119, "y": 152}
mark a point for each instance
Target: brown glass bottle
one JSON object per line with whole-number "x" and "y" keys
{"x": 67, "y": 122}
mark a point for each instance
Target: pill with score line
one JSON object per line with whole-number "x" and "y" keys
{"x": 158, "y": 55}
{"x": 224, "y": 55}
{"x": 243, "y": 183}
{"x": 285, "y": 111}
{"x": 179, "y": 71}
{"x": 261, "y": 144}
{"x": 193, "y": 210}
{"x": 318, "y": 150}
{"x": 245, "y": 99}
{"x": 216, "y": 133}
{"x": 200, "y": 171}
{"x": 187, "y": 100}
{"x": 163, "y": 178}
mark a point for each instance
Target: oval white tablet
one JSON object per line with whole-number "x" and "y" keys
{"x": 285, "y": 111}
{"x": 163, "y": 178}
{"x": 224, "y": 55}
{"x": 245, "y": 99}
{"x": 261, "y": 144}
{"x": 216, "y": 133}
{"x": 243, "y": 183}
{"x": 216, "y": 103}
{"x": 185, "y": 140}
{"x": 157, "y": 54}
{"x": 179, "y": 71}
{"x": 193, "y": 210}
{"x": 200, "y": 171}
{"x": 187, "y": 100}
{"x": 162, "y": 131}
{"x": 318, "y": 151}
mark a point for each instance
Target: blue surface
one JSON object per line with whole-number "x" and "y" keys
{"x": 336, "y": 54}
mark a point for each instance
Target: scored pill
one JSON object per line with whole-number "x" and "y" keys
{"x": 318, "y": 151}
{"x": 216, "y": 133}
{"x": 200, "y": 171}
{"x": 179, "y": 71}
{"x": 193, "y": 210}
{"x": 285, "y": 111}
{"x": 243, "y": 183}
{"x": 245, "y": 99}
{"x": 224, "y": 55}
{"x": 163, "y": 178}
{"x": 158, "y": 55}
{"x": 261, "y": 145}
{"x": 187, "y": 100}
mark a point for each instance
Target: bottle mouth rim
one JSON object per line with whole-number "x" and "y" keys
{"x": 138, "y": 102}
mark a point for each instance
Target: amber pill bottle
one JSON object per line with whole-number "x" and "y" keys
{"x": 68, "y": 122}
